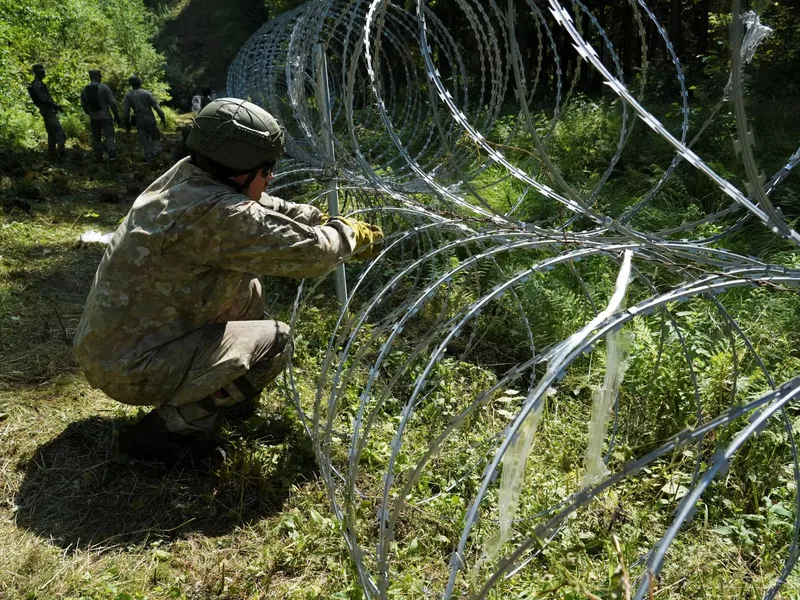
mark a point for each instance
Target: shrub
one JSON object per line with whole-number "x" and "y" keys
{"x": 19, "y": 127}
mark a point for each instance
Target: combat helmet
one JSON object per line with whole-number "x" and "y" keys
{"x": 236, "y": 134}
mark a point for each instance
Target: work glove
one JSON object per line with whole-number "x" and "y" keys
{"x": 367, "y": 237}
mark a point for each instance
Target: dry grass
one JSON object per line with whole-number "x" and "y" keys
{"x": 81, "y": 521}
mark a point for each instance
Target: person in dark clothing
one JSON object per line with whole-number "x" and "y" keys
{"x": 142, "y": 102}
{"x": 97, "y": 101}
{"x": 203, "y": 99}
{"x": 56, "y": 138}
{"x": 198, "y": 103}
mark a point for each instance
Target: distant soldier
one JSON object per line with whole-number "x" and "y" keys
{"x": 198, "y": 103}
{"x": 202, "y": 100}
{"x": 97, "y": 101}
{"x": 49, "y": 111}
{"x": 143, "y": 104}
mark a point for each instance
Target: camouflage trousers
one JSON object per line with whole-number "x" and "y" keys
{"x": 55, "y": 133}
{"x": 232, "y": 363}
{"x": 103, "y": 128}
{"x": 219, "y": 367}
{"x": 149, "y": 137}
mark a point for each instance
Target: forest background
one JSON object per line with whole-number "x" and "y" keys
{"x": 176, "y": 46}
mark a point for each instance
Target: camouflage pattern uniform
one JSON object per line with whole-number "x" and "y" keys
{"x": 100, "y": 120}
{"x": 143, "y": 104}
{"x": 49, "y": 111}
{"x": 174, "y": 316}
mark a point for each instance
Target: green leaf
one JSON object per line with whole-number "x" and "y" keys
{"x": 675, "y": 489}
{"x": 161, "y": 555}
{"x": 780, "y": 511}
{"x": 725, "y": 530}
{"x": 505, "y": 413}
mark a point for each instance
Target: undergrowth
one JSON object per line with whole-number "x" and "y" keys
{"x": 80, "y": 521}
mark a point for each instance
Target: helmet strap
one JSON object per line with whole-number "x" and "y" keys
{"x": 250, "y": 177}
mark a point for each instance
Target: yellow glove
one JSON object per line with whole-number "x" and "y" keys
{"x": 367, "y": 236}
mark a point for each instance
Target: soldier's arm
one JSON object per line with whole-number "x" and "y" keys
{"x": 156, "y": 107}
{"x": 257, "y": 240}
{"x": 84, "y": 101}
{"x": 112, "y": 103}
{"x": 43, "y": 99}
{"x": 302, "y": 213}
{"x": 48, "y": 99}
{"x": 126, "y": 110}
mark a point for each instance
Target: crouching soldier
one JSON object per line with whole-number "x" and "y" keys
{"x": 174, "y": 318}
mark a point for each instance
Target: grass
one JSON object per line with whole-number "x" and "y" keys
{"x": 80, "y": 521}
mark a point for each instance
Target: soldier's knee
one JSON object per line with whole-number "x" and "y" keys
{"x": 270, "y": 365}
{"x": 283, "y": 346}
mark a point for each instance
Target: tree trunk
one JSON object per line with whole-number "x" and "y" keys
{"x": 675, "y": 33}
{"x": 701, "y": 26}
{"x": 628, "y": 34}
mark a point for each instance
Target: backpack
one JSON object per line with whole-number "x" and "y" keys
{"x": 34, "y": 96}
{"x": 93, "y": 98}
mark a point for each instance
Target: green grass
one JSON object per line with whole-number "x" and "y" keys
{"x": 80, "y": 521}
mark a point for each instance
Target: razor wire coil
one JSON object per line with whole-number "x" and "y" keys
{"x": 413, "y": 151}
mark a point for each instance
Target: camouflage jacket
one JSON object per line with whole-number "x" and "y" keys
{"x": 105, "y": 97}
{"x": 41, "y": 97}
{"x": 176, "y": 262}
{"x": 143, "y": 105}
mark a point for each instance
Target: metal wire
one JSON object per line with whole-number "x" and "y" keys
{"x": 414, "y": 119}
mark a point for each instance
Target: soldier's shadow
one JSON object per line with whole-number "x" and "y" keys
{"x": 78, "y": 492}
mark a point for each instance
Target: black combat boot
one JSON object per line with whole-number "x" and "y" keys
{"x": 149, "y": 439}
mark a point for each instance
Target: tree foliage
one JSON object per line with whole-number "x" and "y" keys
{"x": 69, "y": 37}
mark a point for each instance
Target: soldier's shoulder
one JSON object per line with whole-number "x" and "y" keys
{"x": 187, "y": 180}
